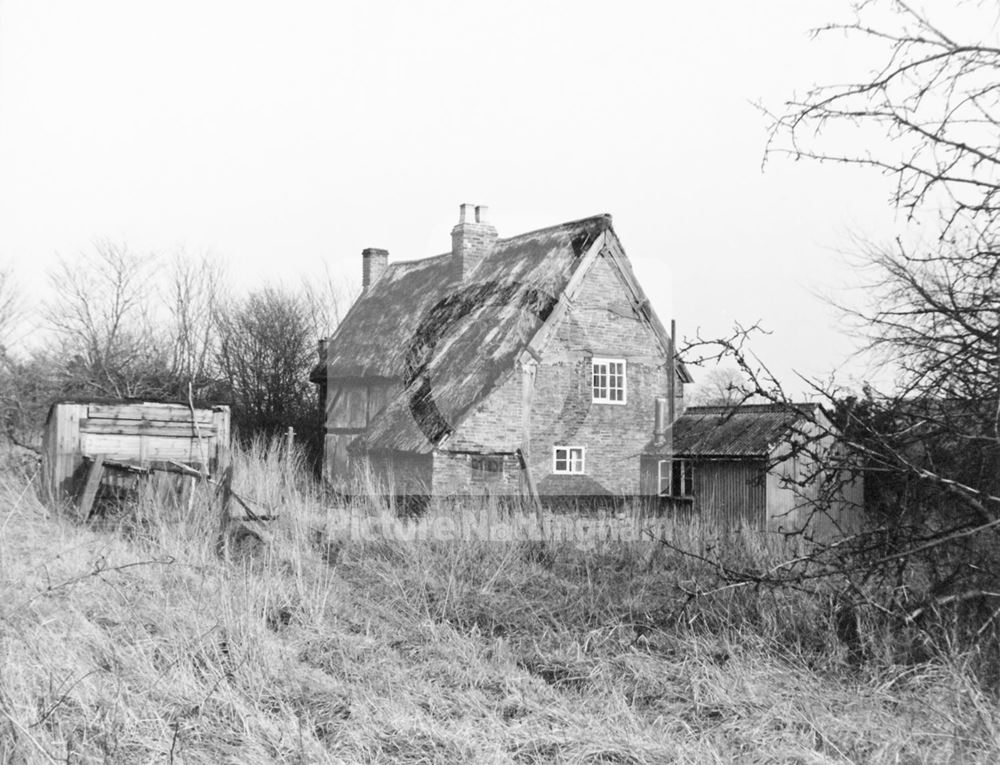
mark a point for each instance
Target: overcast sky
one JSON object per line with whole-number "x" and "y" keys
{"x": 279, "y": 136}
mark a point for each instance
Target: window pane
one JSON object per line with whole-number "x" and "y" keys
{"x": 568, "y": 459}
{"x": 600, "y": 380}
{"x": 486, "y": 468}
{"x": 681, "y": 475}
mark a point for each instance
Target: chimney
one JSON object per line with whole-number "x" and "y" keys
{"x": 471, "y": 240}
{"x": 373, "y": 263}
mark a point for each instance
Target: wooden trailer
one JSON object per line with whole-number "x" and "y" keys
{"x": 85, "y": 443}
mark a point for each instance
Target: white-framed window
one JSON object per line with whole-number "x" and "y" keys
{"x": 676, "y": 478}
{"x": 609, "y": 380}
{"x": 568, "y": 460}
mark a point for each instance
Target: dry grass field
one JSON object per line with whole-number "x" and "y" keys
{"x": 130, "y": 641}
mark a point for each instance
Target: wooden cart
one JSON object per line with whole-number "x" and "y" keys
{"x": 86, "y": 444}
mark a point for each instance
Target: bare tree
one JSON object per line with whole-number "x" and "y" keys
{"x": 11, "y": 310}
{"x": 326, "y": 299}
{"x": 11, "y": 305}
{"x": 929, "y": 118}
{"x": 100, "y": 313}
{"x": 923, "y": 566}
{"x": 266, "y": 350}
{"x": 721, "y": 386}
{"x": 195, "y": 294}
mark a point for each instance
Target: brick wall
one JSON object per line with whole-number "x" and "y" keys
{"x": 454, "y": 476}
{"x": 600, "y": 323}
{"x": 495, "y": 425}
{"x": 470, "y": 243}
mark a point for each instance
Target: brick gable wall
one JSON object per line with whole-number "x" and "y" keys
{"x": 600, "y": 323}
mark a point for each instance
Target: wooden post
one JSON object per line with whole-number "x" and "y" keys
{"x": 528, "y": 369}
{"x": 220, "y": 420}
{"x": 532, "y": 491}
{"x": 187, "y": 493}
{"x": 65, "y": 453}
{"x": 222, "y": 543}
{"x": 289, "y": 461}
{"x": 91, "y": 487}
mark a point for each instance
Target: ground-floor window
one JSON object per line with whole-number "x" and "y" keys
{"x": 568, "y": 460}
{"x": 676, "y": 478}
{"x": 486, "y": 468}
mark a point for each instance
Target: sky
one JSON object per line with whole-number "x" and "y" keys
{"x": 279, "y": 137}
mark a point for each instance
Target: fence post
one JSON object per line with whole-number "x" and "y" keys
{"x": 222, "y": 544}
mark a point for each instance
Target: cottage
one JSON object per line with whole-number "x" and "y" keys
{"x": 503, "y": 365}
{"x": 772, "y": 467}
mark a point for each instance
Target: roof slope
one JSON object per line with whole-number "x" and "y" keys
{"x": 750, "y": 430}
{"x": 453, "y": 343}
{"x": 370, "y": 341}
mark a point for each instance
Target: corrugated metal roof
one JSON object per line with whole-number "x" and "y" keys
{"x": 750, "y": 430}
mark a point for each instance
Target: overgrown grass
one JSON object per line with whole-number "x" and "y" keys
{"x": 131, "y": 641}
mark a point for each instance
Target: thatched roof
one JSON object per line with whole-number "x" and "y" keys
{"x": 378, "y": 332}
{"x": 747, "y": 431}
{"x": 452, "y": 343}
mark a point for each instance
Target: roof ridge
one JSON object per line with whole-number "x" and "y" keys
{"x": 426, "y": 259}
{"x": 567, "y": 224}
{"x": 605, "y": 216}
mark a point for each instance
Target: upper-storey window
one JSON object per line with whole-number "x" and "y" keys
{"x": 609, "y": 381}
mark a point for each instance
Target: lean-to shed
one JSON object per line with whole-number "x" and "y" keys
{"x": 136, "y": 433}
{"x": 775, "y": 467}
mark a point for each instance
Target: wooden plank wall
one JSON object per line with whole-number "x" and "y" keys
{"x": 135, "y": 433}
{"x": 350, "y": 407}
{"x": 61, "y": 450}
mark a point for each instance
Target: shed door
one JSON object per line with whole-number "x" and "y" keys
{"x": 731, "y": 492}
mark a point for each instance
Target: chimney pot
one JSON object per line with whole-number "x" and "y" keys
{"x": 481, "y": 211}
{"x": 373, "y": 262}
{"x": 463, "y": 210}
